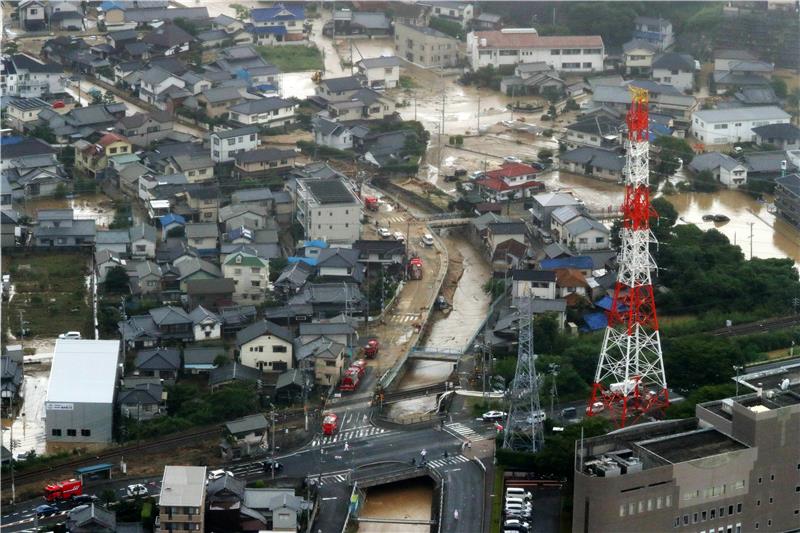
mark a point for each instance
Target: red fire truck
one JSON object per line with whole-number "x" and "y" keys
{"x": 371, "y": 349}
{"x": 350, "y": 380}
{"x": 371, "y": 203}
{"x": 360, "y": 365}
{"x": 330, "y": 423}
{"x": 63, "y": 490}
{"x": 415, "y": 268}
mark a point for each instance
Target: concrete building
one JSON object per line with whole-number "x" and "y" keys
{"x": 787, "y": 198}
{"x": 380, "y": 72}
{"x": 565, "y": 53}
{"x": 328, "y": 210}
{"x": 426, "y": 47}
{"x": 266, "y": 346}
{"x": 250, "y": 275}
{"x": 735, "y": 467}
{"x": 183, "y": 498}
{"x": 654, "y": 30}
{"x": 725, "y": 126}
{"x": 225, "y": 144}
{"x": 674, "y": 69}
{"x": 79, "y": 406}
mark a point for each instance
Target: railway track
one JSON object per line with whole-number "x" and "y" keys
{"x": 60, "y": 469}
{"x": 762, "y": 326}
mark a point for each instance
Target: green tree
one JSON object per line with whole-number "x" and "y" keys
{"x": 704, "y": 181}
{"x": 44, "y": 132}
{"x": 117, "y": 280}
{"x": 779, "y": 86}
{"x": 242, "y": 13}
{"x": 109, "y": 98}
{"x": 61, "y": 191}
{"x": 108, "y": 496}
{"x": 545, "y": 154}
{"x": 667, "y": 153}
{"x": 97, "y": 97}
{"x": 10, "y": 47}
{"x": 453, "y": 29}
{"x": 187, "y": 25}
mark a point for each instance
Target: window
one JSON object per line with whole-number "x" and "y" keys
{"x": 587, "y": 64}
{"x": 770, "y": 499}
{"x": 112, "y": 150}
{"x": 255, "y": 283}
{"x": 86, "y": 433}
{"x": 730, "y": 510}
{"x": 695, "y": 517}
{"x": 721, "y": 512}
{"x": 622, "y": 510}
{"x": 570, "y": 65}
{"x": 631, "y": 508}
{"x": 231, "y": 141}
{"x": 686, "y": 520}
{"x": 738, "y": 507}
{"x": 668, "y": 500}
{"x": 72, "y": 433}
{"x": 56, "y": 432}
{"x": 333, "y": 363}
{"x": 772, "y": 477}
{"x": 712, "y": 514}
{"x": 703, "y": 516}
{"x": 279, "y": 349}
{"x": 659, "y": 502}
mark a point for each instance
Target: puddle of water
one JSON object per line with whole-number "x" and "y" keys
{"x": 421, "y": 373}
{"x": 410, "y": 500}
{"x": 416, "y": 406}
{"x": 97, "y": 207}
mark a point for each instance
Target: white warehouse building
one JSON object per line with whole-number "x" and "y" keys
{"x": 79, "y": 406}
{"x": 511, "y": 46}
{"x": 725, "y": 126}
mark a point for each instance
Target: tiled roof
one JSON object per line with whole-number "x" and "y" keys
{"x": 498, "y": 39}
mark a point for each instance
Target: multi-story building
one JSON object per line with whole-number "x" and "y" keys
{"x": 22, "y": 75}
{"x": 270, "y": 112}
{"x": 79, "y": 406}
{"x": 250, "y": 275}
{"x": 92, "y": 159}
{"x": 655, "y": 30}
{"x": 225, "y": 144}
{"x": 266, "y": 346}
{"x": 425, "y": 46}
{"x": 674, "y": 69}
{"x": 380, "y": 72}
{"x": 328, "y": 210}
{"x": 724, "y": 126}
{"x": 283, "y": 20}
{"x": 735, "y": 467}
{"x": 787, "y": 198}
{"x": 183, "y": 498}
{"x": 511, "y": 46}
{"x": 460, "y": 12}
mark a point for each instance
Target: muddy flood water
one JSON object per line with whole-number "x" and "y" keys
{"x": 409, "y": 500}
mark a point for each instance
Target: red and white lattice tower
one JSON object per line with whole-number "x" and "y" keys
{"x": 630, "y": 377}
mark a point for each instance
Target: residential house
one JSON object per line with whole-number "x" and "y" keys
{"x": 637, "y": 57}
{"x": 207, "y": 325}
{"x": 263, "y": 163}
{"x": 23, "y": 113}
{"x": 202, "y": 201}
{"x": 193, "y": 269}
{"x": 293, "y": 277}
{"x": 228, "y": 24}
{"x": 425, "y": 46}
{"x": 147, "y": 279}
{"x": 169, "y": 223}
{"x": 460, "y": 12}
{"x": 155, "y": 84}
{"x": 331, "y": 133}
{"x": 544, "y": 204}
{"x": 92, "y": 158}
{"x": 340, "y": 264}
{"x": 364, "y": 104}
{"x": 24, "y": 76}
{"x": 725, "y": 169}
{"x": 781, "y": 136}
{"x": 10, "y": 380}
{"x": 143, "y": 241}
{"x": 172, "y": 323}
{"x": 325, "y": 357}
{"x": 565, "y": 53}
{"x": 535, "y": 283}
{"x": 203, "y": 236}
{"x": 34, "y": 176}
{"x": 202, "y": 359}
{"x": 537, "y": 78}
{"x": 487, "y": 21}
{"x": 571, "y": 284}
{"x": 787, "y": 198}
{"x": 284, "y": 21}
{"x": 328, "y": 210}
{"x": 266, "y": 346}
{"x": 32, "y": 15}
{"x": 162, "y": 363}
{"x": 142, "y": 129}
{"x": 234, "y": 373}
{"x": 82, "y": 122}
{"x": 144, "y": 401}
{"x": 601, "y": 130}
{"x": 260, "y": 197}
{"x": 735, "y": 69}
{"x": 725, "y": 126}
{"x": 105, "y": 260}
{"x": 245, "y": 437}
{"x": 10, "y": 229}
{"x": 347, "y": 22}
{"x": 280, "y": 507}
{"x": 227, "y": 143}
{"x": 211, "y": 293}
{"x": 270, "y": 112}
{"x": 411, "y": 14}
{"x": 674, "y": 69}
{"x": 754, "y": 96}
{"x": 385, "y": 252}
{"x": 182, "y": 501}
{"x": 58, "y": 228}
{"x": 169, "y": 39}
{"x": 196, "y": 167}
{"x": 215, "y": 102}
{"x": 139, "y": 332}
{"x": 91, "y": 517}
{"x": 595, "y": 162}
{"x": 511, "y": 180}
{"x": 724, "y": 59}
{"x": 118, "y": 39}
{"x": 380, "y": 72}
{"x": 329, "y": 299}
{"x": 243, "y": 215}
{"x": 337, "y": 329}
{"x": 499, "y": 232}
{"x": 655, "y": 30}
{"x": 770, "y": 164}
{"x": 585, "y": 233}
{"x": 250, "y": 275}
{"x": 340, "y": 89}
{"x": 664, "y": 99}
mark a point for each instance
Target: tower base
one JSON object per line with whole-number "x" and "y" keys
{"x": 627, "y": 408}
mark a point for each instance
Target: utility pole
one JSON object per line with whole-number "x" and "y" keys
{"x": 553, "y": 388}
{"x": 272, "y": 420}
{"x": 123, "y": 315}
{"x": 737, "y": 368}
{"x": 751, "y": 240}
{"x": 11, "y": 452}
{"x": 479, "y": 114}
{"x": 21, "y": 326}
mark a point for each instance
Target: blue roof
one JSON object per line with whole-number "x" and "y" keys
{"x": 582, "y": 262}
{"x": 105, "y": 6}
{"x": 659, "y": 130}
{"x": 170, "y": 218}
{"x": 94, "y": 468}
{"x": 315, "y": 244}
{"x": 595, "y": 321}
{"x": 606, "y": 302}
{"x": 266, "y": 30}
{"x": 266, "y": 14}
{"x": 307, "y": 260}
{"x": 12, "y": 139}
{"x": 266, "y": 87}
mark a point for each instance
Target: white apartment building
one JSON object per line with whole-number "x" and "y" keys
{"x": 725, "y": 126}
{"x": 225, "y": 144}
{"x": 22, "y": 75}
{"x": 381, "y": 72}
{"x": 510, "y": 46}
{"x": 250, "y": 275}
{"x": 328, "y": 210}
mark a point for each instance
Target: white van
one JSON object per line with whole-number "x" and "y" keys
{"x": 519, "y": 501}
{"x": 517, "y": 492}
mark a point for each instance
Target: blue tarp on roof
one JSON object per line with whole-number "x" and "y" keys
{"x": 315, "y": 244}
{"x": 659, "y": 130}
{"x": 171, "y": 218}
{"x": 307, "y": 260}
{"x": 105, "y": 6}
{"x": 595, "y": 321}
{"x": 581, "y": 262}
{"x": 12, "y": 139}
{"x": 266, "y": 87}
{"x": 604, "y": 303}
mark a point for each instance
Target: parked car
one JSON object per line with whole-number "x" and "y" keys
{"x": 569, "y": 413}
{"x": 493, "y": 415}
{"x": 216, "y": 474}
{"x": 597, "y": 407}
{"x": 136, "y": 490}
{"x": 384, "y": 233}
{"x": 512, "y": 159}
{"x": 517, "y": 492}
{"x": 71, "y": 335}
{"x": 46, "y": 510}
{"x": 82, "y": 499}
{"x": 427, "y": 239}
{"x": 271, "y": 464}
{"x": 516, "y": 523}
{"x": 398, "y": 235}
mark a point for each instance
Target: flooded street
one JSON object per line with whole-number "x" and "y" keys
{"x": 409, "y": 500}
{"x": 28, "y": 428}
{"x": 97, "y": 207}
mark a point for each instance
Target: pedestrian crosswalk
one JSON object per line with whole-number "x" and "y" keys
{"x": 453, "y": 460}
{"x": 330, "y": 479}
{"x": 404, "y": 317}
{"x": 350, "y": 434}
{"x": 470, "y": 434}
{"x": 395, "y": 219}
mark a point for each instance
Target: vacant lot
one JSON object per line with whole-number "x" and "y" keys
{"x": 50, "y": 290}
{"x": 293, "y": 58}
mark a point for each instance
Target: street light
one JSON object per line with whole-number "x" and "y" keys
{"x": 737, "y": 368}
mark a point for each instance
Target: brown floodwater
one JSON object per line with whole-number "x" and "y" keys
{"x": 86, "y": 206}
{"x": 409, "y": 500}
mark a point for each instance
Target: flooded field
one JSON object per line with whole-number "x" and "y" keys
{"x": 409, "y": 500}
{"x": 98, "y": 207}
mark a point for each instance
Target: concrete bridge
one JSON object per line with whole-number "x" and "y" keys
{"x": 447, "y": 355}
{"x": 396, "y": 521}
{"x": 449, "y": 222}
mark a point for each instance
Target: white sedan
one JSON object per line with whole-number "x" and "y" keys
{"x": 494, "y": 415}
{"x": 512, "y": 159}
{"x": 136, "y": 490}
{"x": 384, "y": 233}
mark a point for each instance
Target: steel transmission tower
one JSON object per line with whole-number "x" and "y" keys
{"x": 630, "y": 377}
{"x": 523, "y": 430}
